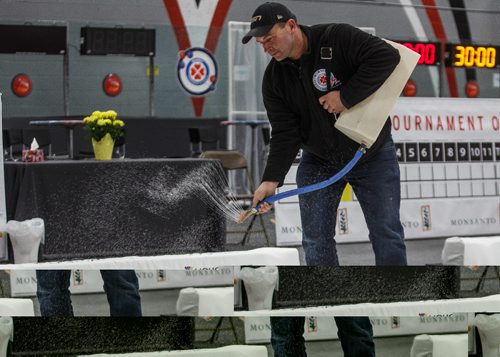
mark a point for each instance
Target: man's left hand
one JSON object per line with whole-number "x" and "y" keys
{"x": 331, "y": 102}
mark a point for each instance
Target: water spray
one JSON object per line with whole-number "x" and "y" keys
{"x": 309, "y": 188}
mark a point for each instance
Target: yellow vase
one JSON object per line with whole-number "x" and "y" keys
{"x": 103, "y": 149}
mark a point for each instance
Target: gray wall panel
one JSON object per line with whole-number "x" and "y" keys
{"x": 46, "y": 74}
{"x": 87, "y": 72}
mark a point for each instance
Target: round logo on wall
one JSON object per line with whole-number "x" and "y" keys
{"x": 319, "y": 80}
{"x": 197, "y": 71}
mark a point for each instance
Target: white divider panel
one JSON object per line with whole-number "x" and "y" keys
{"x": 258, "y": 329}
{"x": 449, "y": 156}
{"x": 16, "y": 307}
{"x": 401, "y": 308}
{"x": 226, "y": 351}
{"x": 471, "y": 251}
{"x": 205, "y": 302}
{"x": 489, "y": 332}
{"x": 196, "y": 261}
{"x": 3, "y": 209}
{"x": 450, "y": 345}
{"x": 23, "y": 282}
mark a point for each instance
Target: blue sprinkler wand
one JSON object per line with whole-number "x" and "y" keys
{"x": 310, "y": 188}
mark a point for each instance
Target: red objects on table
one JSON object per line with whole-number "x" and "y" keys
{"x": 33, "y": 155}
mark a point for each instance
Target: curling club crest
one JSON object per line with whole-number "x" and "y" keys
{"x": 197, "y": 71}
{"x": 319, "y": 80}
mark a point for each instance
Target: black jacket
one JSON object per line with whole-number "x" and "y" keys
{"x": 360, "y": 64}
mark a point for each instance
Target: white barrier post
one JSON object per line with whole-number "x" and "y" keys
{"x": 3, "y": 209}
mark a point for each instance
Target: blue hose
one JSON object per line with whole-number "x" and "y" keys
{"x": 316, "y": 186}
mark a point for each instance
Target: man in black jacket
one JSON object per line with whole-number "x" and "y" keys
{"x": 302, "y": 115}
{"x": 316, "y": 72}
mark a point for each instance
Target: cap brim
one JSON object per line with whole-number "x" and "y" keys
{"x": 256, "y": 32}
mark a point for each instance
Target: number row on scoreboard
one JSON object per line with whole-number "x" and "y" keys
{"x": 447, "y": 151}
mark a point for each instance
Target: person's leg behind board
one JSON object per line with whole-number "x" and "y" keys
{"x": 122, "y": 290}
{"x": 318, "y": 211}
{"x": 53, "y": 293}
{"x": 356, "y": 336}
{"x": 376, "y": 184}
{"x": 287, "y": 337}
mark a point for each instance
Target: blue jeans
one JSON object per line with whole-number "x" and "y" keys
{"x": 376, "y": 184}
{"x": 121, "y": 287}
{"x": 355, "y": 334}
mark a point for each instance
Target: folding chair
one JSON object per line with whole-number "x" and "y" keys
{"x": 119, "y": 149}
{"x": 13, "y": 141}
{"x": 483, "y": 278}
{"x": 6, "y": 144}
{"x": 203, "y": 137}
{"x": 218, "y": 328}
{"x": 234, "y": 160}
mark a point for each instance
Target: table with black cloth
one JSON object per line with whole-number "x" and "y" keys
{"x": 115, "y": 208}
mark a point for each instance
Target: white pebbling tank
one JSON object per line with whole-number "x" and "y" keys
{"x": 363, "y": 122}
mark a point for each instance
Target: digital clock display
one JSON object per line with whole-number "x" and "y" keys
{"x": 468, "y": 56}
{"x": 117, "y": 41}
{"x": 430, "y": 53}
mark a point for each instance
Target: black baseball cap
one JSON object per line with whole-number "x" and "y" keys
{"x": 265, "y": 17}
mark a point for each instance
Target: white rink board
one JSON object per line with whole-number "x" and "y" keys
{"x": 23, "y": 282}
{"x": 3, "y": 208}
{"x": 258, "y": 329}
{"x": 193, "y": 261}
{"x": 420, "y": 219}
{"x": 456, "y": 195}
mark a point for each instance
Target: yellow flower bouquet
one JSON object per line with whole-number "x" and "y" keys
{"x": 99, "y": 124}
{"x": 103, "y": 128}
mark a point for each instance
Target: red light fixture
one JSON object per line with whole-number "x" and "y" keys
{"x": 471, "y": 89}
{"x": 410, "y": 89}
{"x": 21, "y": 85}
{"x": 112, "y": 85}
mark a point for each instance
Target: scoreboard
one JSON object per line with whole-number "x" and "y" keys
{"x": 455, "y": 55}
{"x": 117, "y": 41}
{"x": 430, "y": 52}
{"x": 468, "y": 56}
{"x": 449, "y": 160}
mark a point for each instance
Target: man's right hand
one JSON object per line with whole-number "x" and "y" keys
{"x": 266, "y": 189}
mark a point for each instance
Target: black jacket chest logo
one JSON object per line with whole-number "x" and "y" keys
{"x": 319, "y": 80}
